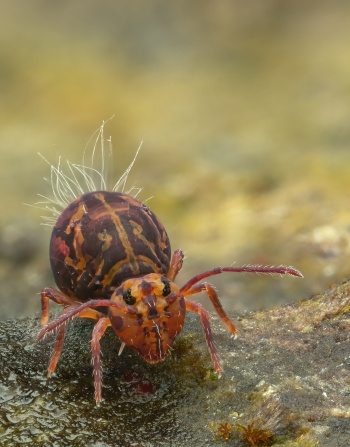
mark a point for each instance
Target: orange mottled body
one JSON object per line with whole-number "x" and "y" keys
{"x": 153, "y": 329}
{"x": 111, "y": 260}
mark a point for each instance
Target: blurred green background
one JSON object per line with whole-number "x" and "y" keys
{"x": 244, "y": 111}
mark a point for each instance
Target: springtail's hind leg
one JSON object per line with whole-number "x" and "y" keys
{"x": 56, "y": 353}
{"x": 98, "y": 332}
{"x": 175, "y": 265}
{"x": 50, "y": 293}
{"x": 210, "y": 291}
{"x": 204, "y": 316}
{"x": 44, "y": 309}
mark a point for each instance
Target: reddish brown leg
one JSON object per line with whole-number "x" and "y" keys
{"x": 204, "y": 315}
{"x": 44, "y": 309}
{"x": 52, "y": 294}
{"x": 99, "y": 330}
{"x": 209, "y": 289}
{"x": 56, "y": 353}
{"x": 175, "y": 265}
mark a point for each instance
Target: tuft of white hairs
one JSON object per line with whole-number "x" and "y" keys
{"x": 70, "y": 180}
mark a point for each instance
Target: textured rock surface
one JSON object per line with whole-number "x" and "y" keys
{"x": 288, "y": 372}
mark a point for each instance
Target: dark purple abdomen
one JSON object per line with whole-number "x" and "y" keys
{"x": 103, "y": 238}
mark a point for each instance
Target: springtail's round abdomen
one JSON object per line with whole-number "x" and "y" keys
{"x": 103, "y": 238}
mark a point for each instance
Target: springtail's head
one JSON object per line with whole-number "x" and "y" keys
{"x": 159, "y": 317}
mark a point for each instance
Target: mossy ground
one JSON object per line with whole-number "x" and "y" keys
{"x": 286, "y": 374}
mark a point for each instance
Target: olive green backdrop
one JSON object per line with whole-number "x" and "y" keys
{"x": 244, "y": 112}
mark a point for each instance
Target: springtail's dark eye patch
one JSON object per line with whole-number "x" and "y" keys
{"x": 128, "y": 298}
{"x": 167, "y": 288}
